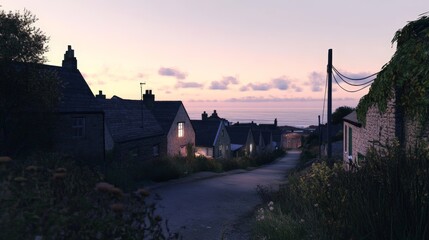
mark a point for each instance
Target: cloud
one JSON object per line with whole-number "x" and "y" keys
{"x": 296, "y": 88}
{"x": 171, "y": 72}
{"x": 278, "y": 99}
{"x": 181, "y": 84}
{"x": 317, "y": 81}
{"x": 281, "y": 83}
{"x": 223, "y": 84}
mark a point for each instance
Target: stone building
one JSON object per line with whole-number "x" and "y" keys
{"x": 79, "y": 125}
{"x": 212, "y": 138}
{"x": 242, "y": 141}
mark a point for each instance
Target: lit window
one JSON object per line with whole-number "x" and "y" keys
{"x": 180, "y": 129}
{"x": 251, "y": 148}
{"x": 78, "y": 127}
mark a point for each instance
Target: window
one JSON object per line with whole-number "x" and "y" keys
{"x": 180, "y": 129}
{"x": 155, "y": 150}
{"x": 350, "y": 141}
{"x": 345, "y": 138}
{"x": 220, "y": 150}
{"x": 78, "y": 126}
{"x": 133, "y": 153}
{"x": 251, "y": 148}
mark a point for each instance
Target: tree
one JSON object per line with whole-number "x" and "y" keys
{"x": 27, "y": 90}
{"x": 340, "y": 113}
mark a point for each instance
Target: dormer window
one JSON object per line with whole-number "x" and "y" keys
{"x": 180, "y": 129}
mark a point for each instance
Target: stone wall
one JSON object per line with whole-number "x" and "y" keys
{"x": 379, "y": 131}
{"x": 141, "y": 149}
{"x": 88, "y": 147}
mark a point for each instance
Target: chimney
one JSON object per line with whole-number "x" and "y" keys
{"x": 214, "y": 114}
{"x": 148, "y": 98}
{"x": 275, "y": 122}
{"x": 100, "y": 95}
{"x": 204, "y": 116}
{"x": 69, "y": 61}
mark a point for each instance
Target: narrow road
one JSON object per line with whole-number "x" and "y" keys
{"x": 211, "y": 208}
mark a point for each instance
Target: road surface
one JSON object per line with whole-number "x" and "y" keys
{"x": 212, "y": 208}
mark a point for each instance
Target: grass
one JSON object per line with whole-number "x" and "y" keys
{"x": 387, "y": 198}
{"x": 130, "y": 174}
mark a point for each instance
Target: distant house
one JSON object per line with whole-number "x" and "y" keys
{"x": 212, "y": 138}
{"x": 79, "y": 127}
{"x": 131, "y": 131}
{"x": 174, "y": 121}
{"x": 292, "y": 140}
{"x": 263, "y": 140}
{"x": 242, "y": 141}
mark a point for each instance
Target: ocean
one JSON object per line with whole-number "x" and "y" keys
{"x": 292, "y": 113}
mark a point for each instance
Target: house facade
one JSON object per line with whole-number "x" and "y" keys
{"x": 212, "y": 139}
{"x": 242, "y": 141}
{"x": 175, "y": 123}
{"x": 79, "y": 126}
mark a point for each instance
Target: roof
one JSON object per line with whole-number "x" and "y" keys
{"x": 266, "y": 135}
{"x": 75, "y": 94}
{"x": 205, "y": 132}
{"x": 124, "y": 119}
{"x": 238, "y": 134}
{"x": 165, "y": 112}
{"x": 352, "y": 119}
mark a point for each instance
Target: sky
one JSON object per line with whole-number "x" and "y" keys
{"x": 222, "y": 51}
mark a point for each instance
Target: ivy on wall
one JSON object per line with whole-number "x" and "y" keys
{"x": 407, "y": 71}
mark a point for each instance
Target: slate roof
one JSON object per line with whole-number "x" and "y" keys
{"x": 76, "y": 96}
{"x": 165, "y": 112}
{"x": 352, "y": 118}
{"x": 238, "y": 134}
{"x": 205, "y": 132}
{"x": 266, "y": 135}
{"x": 124, "y": 119}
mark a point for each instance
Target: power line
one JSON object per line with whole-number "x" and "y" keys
{"x": 351, "y": 91}
{"x": 354, "y": 79}
{"x": 349, "y": 83}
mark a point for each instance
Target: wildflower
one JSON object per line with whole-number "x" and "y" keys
{"x": 316, "y": 205}
{"x": 270, "y": 204}
{"x": 5, "y": 159}
{"x": 302, "y": 220}
{"x": 31, "y": 168}
{"x": 116, "y": 191}
{"x": 142, "y": 192}
{"x": 271, "y": 208}
{"x": 103, "y": 187}
{"x": 20, "y": 179}
{"x": 117, "y": 207}
{"x": 59, "y": 175}
{"x": 60, "y": 170}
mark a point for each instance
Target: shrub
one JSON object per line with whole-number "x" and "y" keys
{"x": 387, "y": 198}
{"x": 50, "y": 196}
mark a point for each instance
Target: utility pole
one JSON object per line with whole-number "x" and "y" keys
{"x": 329, "y": 123}
{"x": 141, "y": 98}
{"x": 320, "y": 140}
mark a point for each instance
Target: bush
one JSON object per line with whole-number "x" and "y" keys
{"x": 387, "y": 198}
{"x": 50, "y": 196}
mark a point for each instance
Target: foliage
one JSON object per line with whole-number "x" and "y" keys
{"x": 129, "y": 174}
{"x": 25, "y": 86}
{"x": 406, "y": 75}
{"x": 387, "y": 198}
{"x": 49, "y": 196}
{"x": 340, "y": 113}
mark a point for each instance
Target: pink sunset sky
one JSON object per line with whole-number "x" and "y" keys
{"x": 221, "y": 50}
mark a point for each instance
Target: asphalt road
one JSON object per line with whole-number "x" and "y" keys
{"x": 212, "y": 208}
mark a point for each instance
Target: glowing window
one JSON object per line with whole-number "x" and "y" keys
{"x": 180, "y": 129}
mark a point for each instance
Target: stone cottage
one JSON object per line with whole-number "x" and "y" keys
{"x": 396, "y": 106}
{"x": 212, "y": 139}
